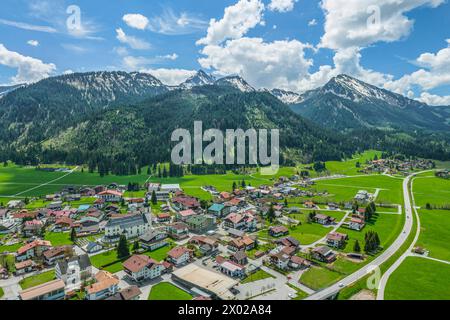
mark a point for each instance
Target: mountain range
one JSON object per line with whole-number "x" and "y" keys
{"x": 123, "y": 115}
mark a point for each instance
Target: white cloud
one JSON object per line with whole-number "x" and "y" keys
{"x": 137, "y": 21}
{"x": 121, "y": 51}
{"x": 27, "y": 26}
{"x": 282, "y": 5}
{"x": 262, "y": 64}
{"x": 170, "y": 76}
{"x": 172, "y": 56}
{"x": 33, "y": 43}
{"x": 133, "y": 42}
{"x": 346, "y": 21}
{"x": 73, "y": 48}
{"x": 171, "y": 23}
{"x": 237, "y": 20}
{"x": 28, "y": 69}
{"x": 135, "y": 63}
{"x": 434, "y": 100}
{"x": 312, "y": 23}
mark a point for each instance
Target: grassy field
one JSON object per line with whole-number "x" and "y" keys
{"x": 167, "y": 291}
{"x": 431, "y": 190}
{"x": 258, "y": 275}
{"x": 105, "y": 258}
{"x": 159, "y": 254}
{"x": 307, "y": 233}
{"x": 37, "y": 279}
{"x": 388, "y": 226}
{"x": 435, "y": 233}
{"x": 317, "y": 278}
{"x": 1, "y": 292}
{"x": 58, "y": 238}
{"x": 419, "y": 279}
{"x": 12, "y": 248}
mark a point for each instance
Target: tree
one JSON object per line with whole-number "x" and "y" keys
{"x": 73, "y": 235}
{"x": 357, "y": 247}
{"x": 285, "y": 202}
{"x": 271, "y": 214}
{"x": 123, "y": 250}
{"x": 136, "y": 246}
{"x": 243, "y": 184}
{"x": 234, "y": 186}
{"x": 154, "y": 198}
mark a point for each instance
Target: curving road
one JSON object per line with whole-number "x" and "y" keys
{"x": 383, "y": 257}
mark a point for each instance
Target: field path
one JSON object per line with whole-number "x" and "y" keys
{"x": 47, "y": 183}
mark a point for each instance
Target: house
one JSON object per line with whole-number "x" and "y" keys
{"x": 131, "y": 225}
{"x": 200, "y": 223}
{"x": 298, "y": 263}
{"x": 225, "y": 196}
{"x": 217, "y": 209}
{"x": 207, "y": 245}
{"x": 232, "y": 269}
{"x": 323, "y": 254}
{"x": 179, "y": 256}
{"x": 289, "y": 242}
{"x": 55, "y": 205}
{"x": 162, "y": 195}
{"x": 333, "y": 206}
{"x": 74, "y": 271}
{"x": 356, "y": 224}
{"x": 280, "y": 260}
{"x": 106, "y": 285}
{"x": 363, "y": 196}
{"x": 111, "y": 195}
{"x": 153, "y": 187}
{"x": 63, "y": 224}
{"x": 245, "y": 221}
{"x": 185, "y": 203}
{"x": 141, "y": 268}
{"x": 57, "y": 253}
{"x": 310, "y": 204}
{"x": 243, "y": 243}
{"x": 24, "y": 267}
{"x": 53, "y": 290}
{"x": 32, "y": 227}
{"x": 153, "y": 239}
{"x": 336, "y": 239}
{"x": 15, "y": 204}
{"x": 93, "y": 247}
{"x": 239, "y": 257}
{"x": 177, "y": 231}
{"x": 163, "y": 217}
{"x": 34, "y": 249}
{"x": 170, "y": 187}
{"x": 323, "y": 219}
{"x": 185, "y": 214}
{"x": 128, "y": 294}
{"x": 278, "y": 231}
{"x": 87, "y": 192}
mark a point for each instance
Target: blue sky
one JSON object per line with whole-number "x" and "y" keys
{"x": 294, "y": 45}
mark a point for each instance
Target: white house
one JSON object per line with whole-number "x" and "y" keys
{"x": 106, "y": 285}
{"x": 131, "y": 225}
{"x": 74, "y": 271}
{"x": 142, "y": 267}
{"x": 179, "y": 256}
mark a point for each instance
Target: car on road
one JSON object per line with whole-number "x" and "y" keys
{"x": 341, "y": 285}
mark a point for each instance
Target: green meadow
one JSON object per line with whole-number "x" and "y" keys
{"x": 435, "y": 233}
{"x": 419, "y": 279}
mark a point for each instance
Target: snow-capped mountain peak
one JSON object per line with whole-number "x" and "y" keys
{"x": 287, "y": 97}
{"x": 235, "y": 82}
{"x": 201, "y": 78}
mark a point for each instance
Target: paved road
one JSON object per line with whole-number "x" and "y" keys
{"x": 327, "y": 292}
{"x": 409, "y": 207}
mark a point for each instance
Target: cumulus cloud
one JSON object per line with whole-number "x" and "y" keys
{"x": 282, "y": 5}
{"x": 28, "y": 69}
{"x": 172, "y": 56}
{"x": 359, "y": 23}
{"x": 238, "y": 19}
{"x": 133, "y": 42}
{"x": 170, "y": 76}
{"x": 135, "y": 20}
{"x": 434, "y": 100}
{"x": 262, "y": 64}
{"x": 33, "y": 43}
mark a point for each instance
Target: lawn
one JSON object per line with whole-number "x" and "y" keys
{"x": 167, "y": 291}
{"x": 307, "y": 233}
{"x": 105, "y": 258}
{"x": 300, "y": 294}
{"x": 11, "y": 248}
{"x": 159, "y": 254}
{"x": 58, "y": 238}
{"x": 317, "y": 278}
{"x": 1, "y": 292}
{"x": 431, "y": 190}
{"x": 258, "y": 275}
{"x": 388, "y": 227}
{"x": 435, "y": 233}
{"x": 37, "y": 279}
{"x": 419, "y": 279}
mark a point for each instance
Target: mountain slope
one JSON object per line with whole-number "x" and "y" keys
{"x": 345, "y": 103}
{"x": 201, "y": 78}
{"x": 36, "y": 112}
{"x": 235, "y": 82}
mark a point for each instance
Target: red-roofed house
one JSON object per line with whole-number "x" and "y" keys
{"x": 33, "y": 249}
{"x": 185, "y": 214}
{"x": 179, "y": 256}
{"x": 111, "y": 195}
{"x": 142, "y": 267}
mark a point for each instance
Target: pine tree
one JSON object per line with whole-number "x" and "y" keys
{"x": 154, "y": 198}
{"x": 234, "y": 186}
{"x": 285, "y": 202}
{"x": 73, "y": 235}
{"x": 271, "y": 214}
{"x": 123, "y": 250}
{"x": 136, "y": 246}
{"x": 357, "y": 247}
